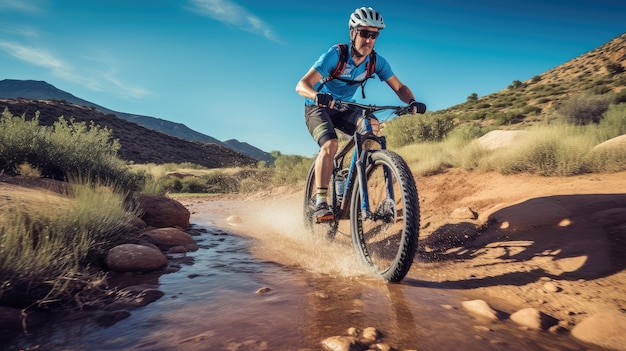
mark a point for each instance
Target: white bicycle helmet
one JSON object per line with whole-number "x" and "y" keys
{"x": 367, "y": 17}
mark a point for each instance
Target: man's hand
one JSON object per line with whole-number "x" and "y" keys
{"x": 324, "y": 100}
{"x": 418, "y": 107}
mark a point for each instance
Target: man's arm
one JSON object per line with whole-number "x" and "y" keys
{"x": 307, "y": 82}
{"x": 403, "y": 92}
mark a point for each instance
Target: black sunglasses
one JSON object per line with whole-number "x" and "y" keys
{"x": 368, "y": 34}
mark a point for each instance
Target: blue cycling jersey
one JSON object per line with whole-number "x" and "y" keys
{"x": 339, "y": 89}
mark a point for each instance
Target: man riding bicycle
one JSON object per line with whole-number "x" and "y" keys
{"x": 324, "y": 83}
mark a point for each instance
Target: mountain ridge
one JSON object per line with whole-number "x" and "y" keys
{"x": 41, "y": 90}
{"x": 139, "y": 144}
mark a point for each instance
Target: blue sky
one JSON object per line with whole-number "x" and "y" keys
{"x": 228, "y": 68}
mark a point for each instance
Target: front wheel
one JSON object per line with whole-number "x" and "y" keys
{"x": 386, "y": 237}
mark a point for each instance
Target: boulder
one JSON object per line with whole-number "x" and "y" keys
{"x": 135, "y": 258}
{"x": 532, "y": 318}
{"x": 161, "y": 211}
{"x": 498, "y": 138}
{"x": 170, "y": 237}
{"x": 606, "y": 329}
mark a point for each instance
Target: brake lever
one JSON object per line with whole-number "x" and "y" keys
{"x": 340, "y": 106}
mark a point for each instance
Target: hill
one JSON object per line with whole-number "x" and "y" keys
{"x": 138, "y": 144}
{"x": 40, "y": 90}
{"x": 597, "y": 72}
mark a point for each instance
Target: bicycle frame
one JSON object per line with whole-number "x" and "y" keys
{"x": 357, "y": 165}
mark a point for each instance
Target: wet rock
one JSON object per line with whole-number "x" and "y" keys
{"x": 380, "y": 347}
{"x": 263, "y": 290}
{"x": 606, "y": 329}
{"x": 110, "y": 318}
{"x": 135, "y": 258}
{"x": 169, "y": 237}
{"x": 481, "y": 309}
{"x": 133, "y": 297}
{"x": 343, "y": 343}
{"x": 161, "y": 211}
{"x": 177, "y": 250}
{"x": 321, "y": 295}
{"x": 369, "y": 335}
{"x": 533, "y": 319}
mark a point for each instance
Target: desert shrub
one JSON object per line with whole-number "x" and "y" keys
{"x": 600, "y": 89}
{"x": 612, "y": 124}
{"x": 44, "y": 253}
{"x": 472, "y": 97}
{"x": 467, "y": 131}
{"x": 620, "y": 97}
{"x": 411, "y": 129}
{"x": 193, "y": 185}
{"x": 290, "y": 169}
{"x": 543, "y": 100}
{"x": 557, "y": 150}
{"x": 219, "y": 182}
{"x": 614, "y": 68}
{"x": 583, "y": 109}
{"x": 64, "y": 150}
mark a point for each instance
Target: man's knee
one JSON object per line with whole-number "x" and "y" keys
{"x": 329, "y": 147}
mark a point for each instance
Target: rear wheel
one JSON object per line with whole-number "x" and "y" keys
{"x": 319, "y": 230}
{"x": 387, "y": 238}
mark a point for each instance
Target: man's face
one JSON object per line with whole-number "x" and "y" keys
{"x": 364, "y": 39}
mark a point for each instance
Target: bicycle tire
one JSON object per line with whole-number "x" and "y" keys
{"x": 388, "y": 244}
{"x": 318, "y": 230}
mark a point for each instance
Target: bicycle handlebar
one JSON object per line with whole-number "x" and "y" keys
{"x": 398, "y": 110}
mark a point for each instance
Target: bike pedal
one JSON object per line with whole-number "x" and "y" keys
{"x": 325, "y": 219}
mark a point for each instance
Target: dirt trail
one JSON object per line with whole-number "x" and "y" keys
{"x": 569, "y": 232}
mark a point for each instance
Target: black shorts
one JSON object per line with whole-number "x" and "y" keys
{"x": 322, "y": 121}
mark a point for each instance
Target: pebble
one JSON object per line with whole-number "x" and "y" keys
{"x": 481, "y": 309}
{"x": 551, "y": 287}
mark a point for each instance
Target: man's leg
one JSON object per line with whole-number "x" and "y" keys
{"x": 323, "y": 170}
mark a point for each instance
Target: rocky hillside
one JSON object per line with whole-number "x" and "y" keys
{"x": 598, "y": 72}
{"x": 138, "y": 144}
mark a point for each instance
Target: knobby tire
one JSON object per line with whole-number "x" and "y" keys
{"x": 389, "y": 243}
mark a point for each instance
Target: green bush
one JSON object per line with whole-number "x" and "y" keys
{"x": 62, "y": 151}
{"x": 411, "y": 129}
{"x": 584, "y": 109}
{"x": 290, "y": 169}
{"x": 467, "y": 132}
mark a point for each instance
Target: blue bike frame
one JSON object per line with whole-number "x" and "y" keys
{"x": 358, "y": 163}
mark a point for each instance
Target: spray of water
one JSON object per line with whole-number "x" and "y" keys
{"x": 276, "y": 225}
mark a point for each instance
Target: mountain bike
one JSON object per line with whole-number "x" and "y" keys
{"x": 374, "y": 188}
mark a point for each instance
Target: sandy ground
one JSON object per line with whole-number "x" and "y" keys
{"x": 557, "y": 244}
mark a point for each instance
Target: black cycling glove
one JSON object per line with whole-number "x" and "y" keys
{"x": 323, "y": 99}
{"x": 419, "y": 107}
